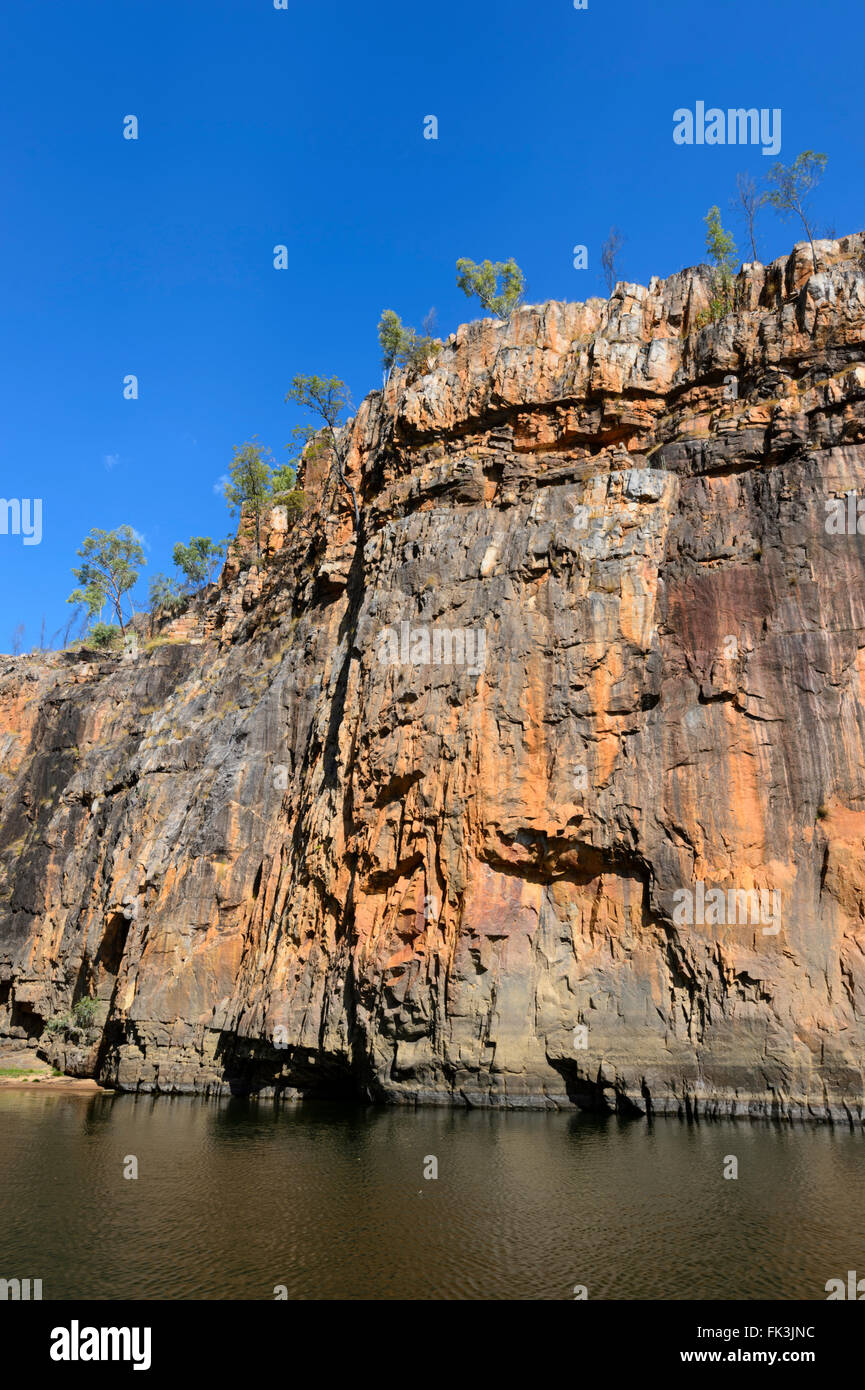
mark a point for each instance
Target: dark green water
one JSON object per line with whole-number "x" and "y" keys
{"x": 236, "y": 1197}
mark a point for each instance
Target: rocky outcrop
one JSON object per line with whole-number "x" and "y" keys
{"x": 546, "y": 787}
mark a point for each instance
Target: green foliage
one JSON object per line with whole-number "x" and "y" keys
{"x": 286, "y": 492}
{"x": 109, "y": 570}
{"x": 165, "y": 596}
{"x": 248, "y": 477}
{"x": 294, "y": 503}
{"x": 248, "y": 483}
{"x": 58, "y": 1024}
{"x": 284, "y": 479}
{"x": 327, "y": 398}
{"x": 84, "y": 1013}
{"x": 792, "y": 186}
{"x": 422, "y": 349}
{"x": 793, "y": 183}
{"x": 720, "y": 246}
{"x": 402, "y": 346}
{"x": 722, "y": 250}
{"x": 483, "y": 280}
{"x": 199, "y": 561}
{"x": 315, "y": 442}
{"x": 391, "y": 337}
{"x": 104, "y": 634}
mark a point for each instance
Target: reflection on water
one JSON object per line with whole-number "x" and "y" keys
{"x": 236, "y": 1197}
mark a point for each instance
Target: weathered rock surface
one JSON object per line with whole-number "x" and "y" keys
{"x": 626, "y": 657}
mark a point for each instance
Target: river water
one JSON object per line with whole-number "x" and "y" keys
{"x": 236, "y": 1198}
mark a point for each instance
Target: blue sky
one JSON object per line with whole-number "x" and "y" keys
{"x": 304, "y": 126}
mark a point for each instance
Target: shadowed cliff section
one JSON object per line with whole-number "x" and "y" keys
{"x": 409, "y": 813}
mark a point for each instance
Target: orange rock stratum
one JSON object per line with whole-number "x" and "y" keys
{"x": 546, "y": 788}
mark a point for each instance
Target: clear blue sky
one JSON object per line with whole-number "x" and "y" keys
{"x": 305, "y": 127}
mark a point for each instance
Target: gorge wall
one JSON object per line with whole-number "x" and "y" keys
{"x": 415, "y": 815}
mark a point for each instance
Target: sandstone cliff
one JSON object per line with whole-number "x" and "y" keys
{"x": 410, "y": 814}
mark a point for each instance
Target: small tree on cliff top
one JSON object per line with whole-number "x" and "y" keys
{"x": 792, "y": 186}
{"x": 198, "y": 561}
{"x": 391, "y": 337}
{"x": 109, "y": 571}
{"x": 402, "y": 346}
{"x": 327, "y": 398}
{"x": 483, "y": 280}
{"x": 722, "y": 249}
{"x": 165, "y": 597}
{"x": 249, "y": 484}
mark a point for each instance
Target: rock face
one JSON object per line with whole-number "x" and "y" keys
{"x": 547, "y": 788}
